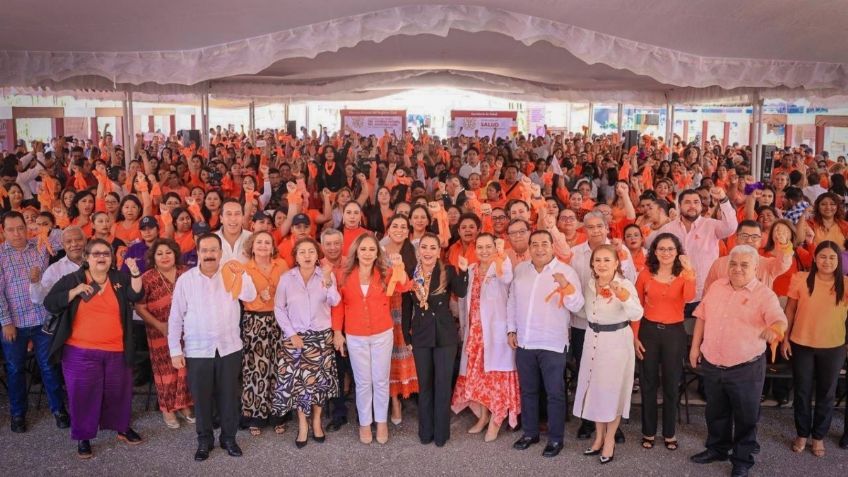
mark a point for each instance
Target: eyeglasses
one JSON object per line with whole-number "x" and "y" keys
{"x": 568, "y": 218}
{"x": 499, "y": 217}
{"x": 518, "y": 233}
{"x": 749, "y": 237}
{"x": 666, "y": 249}
{"x": 100, "y": 254}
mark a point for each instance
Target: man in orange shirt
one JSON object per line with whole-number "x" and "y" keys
{"x": 737, "y": 317}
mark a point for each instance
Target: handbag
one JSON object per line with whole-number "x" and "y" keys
{"x": 49, "y": 327}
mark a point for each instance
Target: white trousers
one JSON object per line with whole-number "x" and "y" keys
{"x": 371, "y": 359}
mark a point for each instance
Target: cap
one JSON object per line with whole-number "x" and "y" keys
{"x": 148, "y": 222}
{"x": 200, "y": 228}
{"x": 259, "y": 215}
{"x": 301, "y": 219}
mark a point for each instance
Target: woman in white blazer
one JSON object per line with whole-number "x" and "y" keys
{"x": 488, "y": 380}
{"x": 605, "y": 383}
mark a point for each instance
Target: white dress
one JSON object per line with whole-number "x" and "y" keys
{"x": 605, "y": 383}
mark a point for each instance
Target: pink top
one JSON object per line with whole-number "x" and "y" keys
{"x": 734, "y": 319}
{"x": 701, "y": 241}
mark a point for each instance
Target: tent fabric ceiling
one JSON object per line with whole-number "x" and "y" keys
{"x": 643, "y": 52}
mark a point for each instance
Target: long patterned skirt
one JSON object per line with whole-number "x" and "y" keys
{"x": 403, "y": 380}
{"x": 306, "y": 377}
{"x": 262, "y": 340}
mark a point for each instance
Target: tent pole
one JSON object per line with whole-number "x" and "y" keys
{"x": 204, "y": 112}
{"x": 124, "y": 137}
{"x": 756, "y": 166}
{"x": 669, "y": 124}
{"x": 567, "y": 117}
{"x": 252, "y": 122}
{"x": 129, "y": 131}
{"x": 620, "y": 117}
{"x": 307, "y": 118}
{"x": 591, "y": 118}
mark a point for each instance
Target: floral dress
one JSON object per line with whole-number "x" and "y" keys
{"x": 496, "y": 390}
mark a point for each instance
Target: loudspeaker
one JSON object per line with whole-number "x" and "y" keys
{"x": 188, "y": 135}
{"x": 631, "y": 138}
{"x": 291, "y": 128}
{"x": 767, "y": 161}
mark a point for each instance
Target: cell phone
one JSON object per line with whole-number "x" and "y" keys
{"x": 95, "y": 287}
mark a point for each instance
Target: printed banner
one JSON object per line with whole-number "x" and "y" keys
{"x": 484, "y": 122}
{"x": 369, "y": 122}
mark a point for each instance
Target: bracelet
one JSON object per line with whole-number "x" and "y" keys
{"x": 133, "y": 275}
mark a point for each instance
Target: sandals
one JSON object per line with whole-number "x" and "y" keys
{"x": 671, "y": 444}
{"x": 172, "y": 423}
{"x": 648, "y": 442}
{"x": 255, "y": 431}
{"x": 799, "y": 444}
{"x": 817, "y": 448}
{"x": 280, "y": 429}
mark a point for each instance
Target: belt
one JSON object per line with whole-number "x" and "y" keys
{"x": 660, "y": 326}
{"x": 752, "y": 361}
{"x": 599, "y": 328}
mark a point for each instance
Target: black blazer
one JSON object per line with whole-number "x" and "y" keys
{"x": 57, "y": 303}
{"x": 434, "y": 326}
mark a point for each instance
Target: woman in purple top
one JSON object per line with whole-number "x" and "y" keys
{"x": 306, "y": 369}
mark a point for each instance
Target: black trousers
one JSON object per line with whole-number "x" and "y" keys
{"x": 733, "y": 408}
{"x": 665, "y": 347}
{"x": 215, "y": 381}
{"x": 536, "y": 369}
{"x": 434, "y": 366}
{"x": 823, "y": 366}
{"x": 339, "y": 408}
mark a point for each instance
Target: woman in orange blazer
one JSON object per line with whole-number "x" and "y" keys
{"x": 363, "y": 321}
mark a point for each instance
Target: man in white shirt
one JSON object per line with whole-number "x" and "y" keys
{"x": 543, "y": 294}
{"x": 205, "y": 316}
{"x": 73, "y": 242}
{"x": 597, "y": 231}
{"x": 232, "y": 232}
{"x": 472, "y": 163}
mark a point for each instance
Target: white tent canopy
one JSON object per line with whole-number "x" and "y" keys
{"x": 646, "y": 52}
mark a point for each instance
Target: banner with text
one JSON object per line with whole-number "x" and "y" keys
{"x": 371, "y": 121}
{"x": 484, "y": 122}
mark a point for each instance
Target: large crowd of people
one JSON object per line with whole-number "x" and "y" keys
{"x": 262, "y": 281}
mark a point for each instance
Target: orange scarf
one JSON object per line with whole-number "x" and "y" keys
{"x": 231, "y": 274}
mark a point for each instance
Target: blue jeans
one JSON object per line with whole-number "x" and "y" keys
{"x": 16, "y": 354}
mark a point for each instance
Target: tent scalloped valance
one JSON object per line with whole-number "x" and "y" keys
{"x": 252, "y": 55}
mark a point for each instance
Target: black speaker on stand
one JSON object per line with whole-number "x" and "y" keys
{"x": 631, "y": 138}
{"x": 188, "y": 135}
{"x": 291, "y": 128}
{"x": 766, "y": 161}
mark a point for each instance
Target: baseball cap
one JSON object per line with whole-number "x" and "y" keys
{"x": 148, "y": 222}
{"x": 259, "y": 215}
{"x": 301, "y": 219}
{"x": 200, "y": 228}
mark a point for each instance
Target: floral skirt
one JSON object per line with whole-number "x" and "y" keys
{"x": 307, "y": 376}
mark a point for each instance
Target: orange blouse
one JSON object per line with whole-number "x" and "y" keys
{"x": 97, "y": 323}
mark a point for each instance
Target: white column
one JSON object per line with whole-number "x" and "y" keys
{"x": 591, "y": 118}
{"x": 306, "y": 105}
{"x": 567, "y": 117}
{"x": 129, "y": 148}
{"x": 620, "y": 118}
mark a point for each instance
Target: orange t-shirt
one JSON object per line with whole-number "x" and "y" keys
{"x": 128, "y": 235}
{"x": 350, "y": 236}
{"x": 97, "y": 323}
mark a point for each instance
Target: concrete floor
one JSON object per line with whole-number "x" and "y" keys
{"x": 45, "y": 450}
